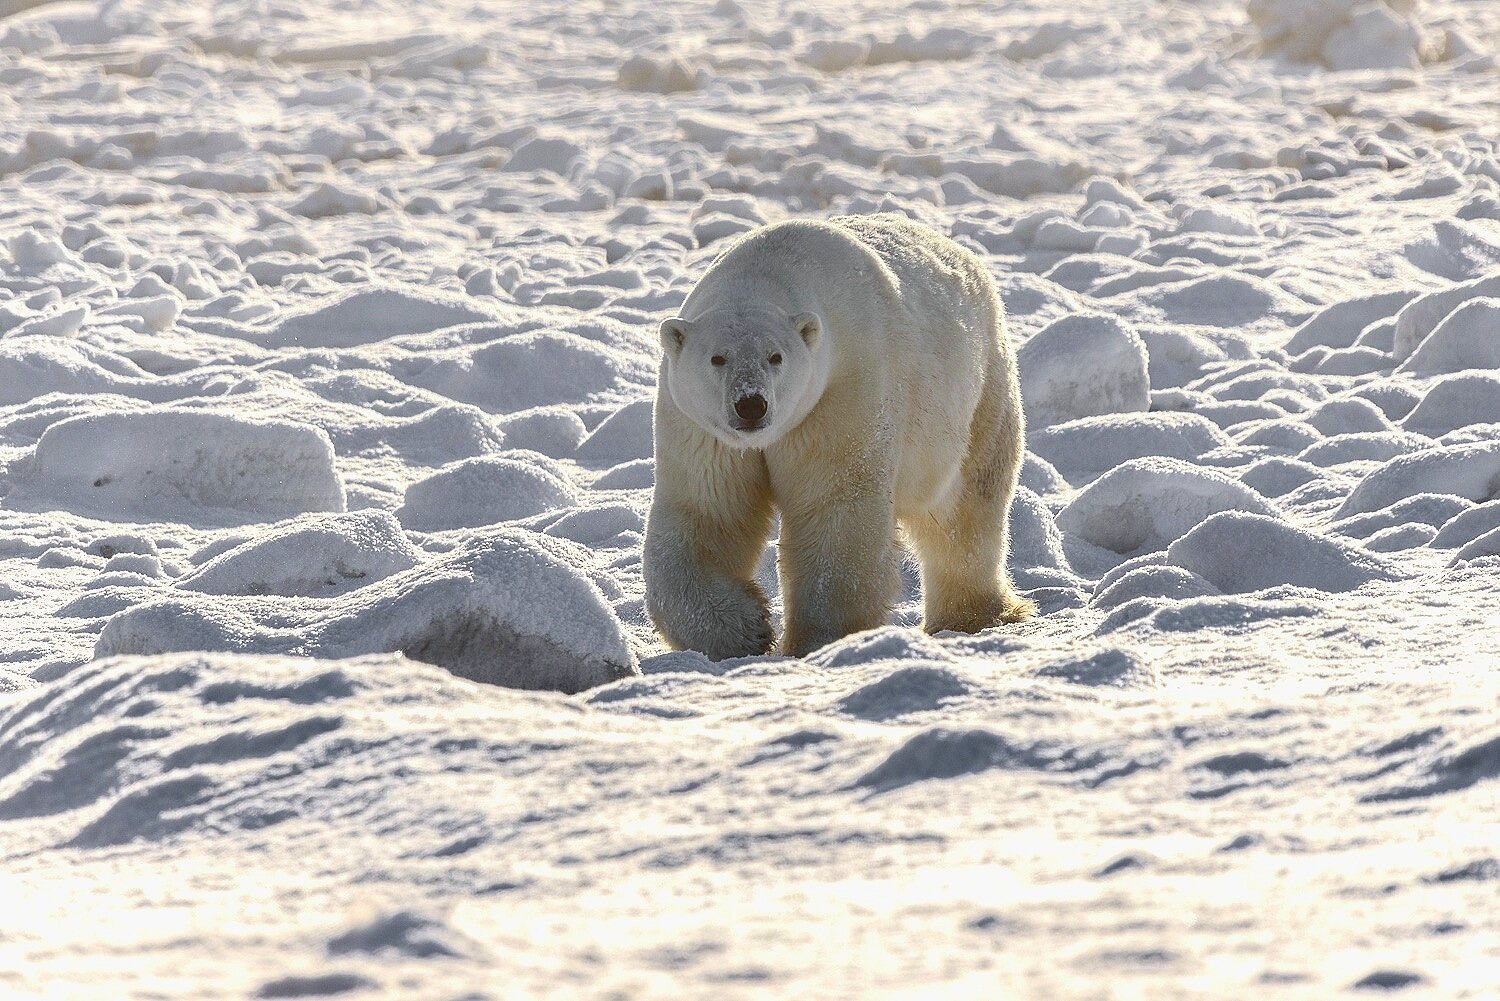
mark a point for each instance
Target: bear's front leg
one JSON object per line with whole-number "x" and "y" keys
{"x": 709, "y": 522}
{"x": 700, "y": 592}
{"x": 838, "y": 557}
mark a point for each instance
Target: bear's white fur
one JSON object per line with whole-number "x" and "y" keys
{"x": 877, "y": 350}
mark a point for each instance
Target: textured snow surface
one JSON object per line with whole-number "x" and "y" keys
{"x": 327, "y": 343}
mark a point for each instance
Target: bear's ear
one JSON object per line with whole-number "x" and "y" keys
{"x": 673, "y": 333}
{"x": 809, "y": 327}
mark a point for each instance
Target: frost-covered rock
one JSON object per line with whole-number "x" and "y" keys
{"x": 1080, "y": 366}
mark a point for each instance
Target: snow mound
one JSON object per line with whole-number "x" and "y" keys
{"x": 1467, "y": 526}
{"x": 1152, "y": 581}
{"x": 509, "y": 609}
{"x": 1375, "y": 445}
{"x": 1238, "y": 552}
{"x": 1340, "y": 325}
{"x": 1468, "y": 471}
{"x": 1142, "y": 505}
{"x": 1082, "y": 366}
{"x": 623, "y": 436}
{"x": 665, "y": 75}
{"x": 1426, "y": 510}
{"x": 183, "y": 464}
{"x": 34, "y": 366}
{"x": 1340, "y": 34}
{"x": 369, "y": 314}
{"x": 319, "y": 556}
{"x": 483, "y": 491}
{"x": 1091, "y": 445}
{"x": 1218, "y": 300}
{"x": 535, "y": 369}
{"x": 1422, "y": 315}
{"x": 1484, "y": 546}
{"x": 1468, "y": 337}
{"x": 942, "y": 753}
{"x": 1348, "y": 415}
{"x": 1034, "y": 538}
{"x": 1456, "y": 402}
{"x": 1275, "y": 475}
{"x": 552, "y": 431}
{"x": 904, "y": 691}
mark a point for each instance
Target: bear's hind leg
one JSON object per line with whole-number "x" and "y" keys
{"x": 966, "y": 586}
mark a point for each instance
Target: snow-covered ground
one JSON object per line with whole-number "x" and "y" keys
{"x": 327, "y": 330}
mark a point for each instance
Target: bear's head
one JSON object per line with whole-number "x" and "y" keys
{"x": 745, "y": 375}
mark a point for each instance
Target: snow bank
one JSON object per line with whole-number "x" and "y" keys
{"x": 184, "y": 464}
{"x": 1080, "y": 366}
{"x": 511, "y": 608}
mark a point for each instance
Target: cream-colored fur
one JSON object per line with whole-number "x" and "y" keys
{"x": 879, "y": 348}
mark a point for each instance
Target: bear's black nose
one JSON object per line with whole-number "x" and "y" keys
{"x": 750, "y": 408}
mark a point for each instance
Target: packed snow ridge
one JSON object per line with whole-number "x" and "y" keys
{"x": 327, "y": 358}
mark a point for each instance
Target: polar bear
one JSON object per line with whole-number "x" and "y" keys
{"x": 853, "y": 376}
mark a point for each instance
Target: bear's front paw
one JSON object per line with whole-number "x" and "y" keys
{"x": 719, "y": 620}
{"x": 742, "y": 628}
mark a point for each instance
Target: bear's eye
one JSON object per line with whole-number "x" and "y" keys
{"x": 775, "y": 359}
{"x": 716, "y": 360}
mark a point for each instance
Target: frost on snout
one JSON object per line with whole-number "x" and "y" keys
{"x": 748, "y": 400}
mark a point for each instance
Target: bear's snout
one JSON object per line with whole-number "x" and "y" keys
{"x": 751, "y": 409}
